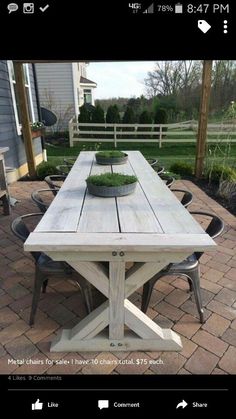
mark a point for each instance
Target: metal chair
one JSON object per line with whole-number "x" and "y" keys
{"x": 169, "y": 180}
{"x": 187, "y": 197}
{"x": 63, "y": 169}
{"x": 46, "y": 268}
{"x": 52, "y": 182}
{"x": 158, "y": 169}
{"x": 69, "y": 161}
{"x": 189, "y": 268}
{"x": 38, "y": 200}
{"x": 5, "y": 201}
{"x": 152, "y": 162}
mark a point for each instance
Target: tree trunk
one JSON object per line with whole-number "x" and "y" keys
{"x": 203, "y": 118}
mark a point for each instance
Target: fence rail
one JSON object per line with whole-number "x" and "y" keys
{"x": 184, "y": 132}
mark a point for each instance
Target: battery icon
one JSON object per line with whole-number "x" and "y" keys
{"x": 178, "y": 8}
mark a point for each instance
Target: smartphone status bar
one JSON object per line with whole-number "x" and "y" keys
{"x": 179, "y": 8}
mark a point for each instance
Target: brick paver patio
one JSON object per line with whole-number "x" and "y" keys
{"x": 207, "y": 349}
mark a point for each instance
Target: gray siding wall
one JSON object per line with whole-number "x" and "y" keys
{"x": 15, "y": 157}
{"x": 55, "y": 83}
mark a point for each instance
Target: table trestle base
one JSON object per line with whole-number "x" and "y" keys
{"x": 130, "y": 342}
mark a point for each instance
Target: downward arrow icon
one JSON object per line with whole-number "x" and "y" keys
{"x": 183, "y": 404}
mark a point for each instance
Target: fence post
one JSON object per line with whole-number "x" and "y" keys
{"x": 160, "y": 136}
{"x": 115, "y": 144}
{"x": 71, "y": 132}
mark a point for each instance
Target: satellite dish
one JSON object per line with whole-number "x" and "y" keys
{"x": 48, "y": 117}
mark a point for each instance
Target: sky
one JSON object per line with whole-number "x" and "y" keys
{"x": 119, "y": 79}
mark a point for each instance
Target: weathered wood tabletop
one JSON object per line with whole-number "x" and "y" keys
{"x": 149, "y": 227}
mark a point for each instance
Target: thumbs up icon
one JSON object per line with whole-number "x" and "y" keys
{"x": 37, "y": 405}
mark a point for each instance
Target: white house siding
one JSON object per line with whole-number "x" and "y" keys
{"x": 56, "y": 91}
{"x": 76, "y": 84}
{"x": 79, "y": 69}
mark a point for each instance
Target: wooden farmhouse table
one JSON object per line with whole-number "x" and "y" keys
{"x": 149, "y": 227}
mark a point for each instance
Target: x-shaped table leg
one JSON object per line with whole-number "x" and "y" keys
{"x": 118, "y": 311}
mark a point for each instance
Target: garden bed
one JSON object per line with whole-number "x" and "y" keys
{"x": 212, "y": 191}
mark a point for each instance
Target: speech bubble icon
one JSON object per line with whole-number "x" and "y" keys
{"x": 203, "y": 26}
{"x": 103, "y": 404}
{"x": 12, "y": 7}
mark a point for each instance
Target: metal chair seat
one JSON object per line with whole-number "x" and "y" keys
{"x": 189, "y": 268}
{"x": 46, "y": 264}
{"x": 45, "y": 267}
{"x": 187, "y": 265}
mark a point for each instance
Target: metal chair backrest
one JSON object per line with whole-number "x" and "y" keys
{"x": 159, "y": 169}
{"x": 187, "y": 198}
{"x": 214, "y": 228}
{"x": 21, "y": 230}
{"x": 51, "y": 179}
{"x": 69, "y": 161}
{"x": 152, "y": 162}
{"x": 63, "y": 169}
{"x": 169, "y": 180}
{"x": 38, "y": 200}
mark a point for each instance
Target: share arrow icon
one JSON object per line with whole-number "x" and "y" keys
{"x": 183, "y": 404}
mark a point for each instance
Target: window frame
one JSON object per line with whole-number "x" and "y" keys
{"x": 28, "y": 86}
{"x": 87, "y": 91}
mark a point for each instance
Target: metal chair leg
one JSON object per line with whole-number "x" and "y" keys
{"x": 190, "y": 284}
{"x": 147, "y": 292}
{"x": 194, "y": 277}
{"x": 6, "y": 205}
{"x": 39, "y": 278}
{"x": 88, "y": 298}
{"x": 44, "y": 286}
{"x": 86, "y": 290}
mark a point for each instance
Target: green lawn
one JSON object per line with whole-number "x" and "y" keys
{"x": 168, "y": 154}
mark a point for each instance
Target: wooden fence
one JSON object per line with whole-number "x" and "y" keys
{"x": 184, "y": 132}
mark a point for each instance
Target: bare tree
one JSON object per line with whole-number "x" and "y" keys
{"x": 223, "y": 84}
{"x": 63, "y": 113}
{"x": 173, "y": 77}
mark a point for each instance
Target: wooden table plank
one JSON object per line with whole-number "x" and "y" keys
{"x": 99, "y": 214}
{"x": 103, "y": 242}
{"x": 116, "y": 300}
{"x": 64, "y": 212}
{"x": 172, "y": 216}
{"x": 135, "y": 213}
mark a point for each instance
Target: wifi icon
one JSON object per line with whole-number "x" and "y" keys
{"x": 150, "y": 9}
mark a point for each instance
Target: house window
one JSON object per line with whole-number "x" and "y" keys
{"x": 87, "y": 96}
{"x": 14, "y": 95}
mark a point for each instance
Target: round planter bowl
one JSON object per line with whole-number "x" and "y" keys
{"x": 111, "y": 160}
{"x": 111, "y": 191}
